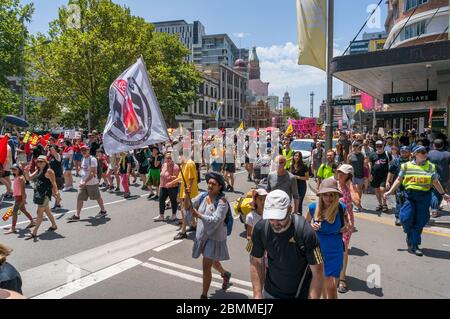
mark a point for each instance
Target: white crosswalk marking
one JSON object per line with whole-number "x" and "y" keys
{"x": 196, "y": 271}
{"x": 90, "y": 280}
{"x": 195, "y": 279}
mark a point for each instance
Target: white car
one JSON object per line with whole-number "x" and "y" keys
{"x": 305, "y": 147}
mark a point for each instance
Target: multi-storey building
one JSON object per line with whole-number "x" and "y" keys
{"x": 224, "y": 90}
{"x": 411, "y": 76}
{"x": 224, "y": 69}
{"x": 190, "y": 34}
{"x": 204, "y": 109}
{"x": 258, "y": 115}
{"x": 412, "y": 22}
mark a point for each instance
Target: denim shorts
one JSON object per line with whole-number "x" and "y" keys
{"x": 358, "y": 181}
{"x": 77, "y": 157}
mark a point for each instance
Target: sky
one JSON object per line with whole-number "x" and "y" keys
{"x": 270, "y": 25}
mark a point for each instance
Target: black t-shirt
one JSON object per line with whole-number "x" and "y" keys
{"x": 404, "y": 140}
{"x": 300, "y": 172}
{"x": 151, "y": 160}
{"x": 287, "y": 262}
{"x": 380, "y": 164}
{"x": 56, "y": 166}
{"x": 94, "y": 147}
{"x": 357, "y": 162}
{"x": 123, "y": 168}
{"x": 142, "y": 158}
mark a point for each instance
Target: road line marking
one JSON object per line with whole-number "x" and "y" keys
{"x": 168, "y": 245}
{"x": 196, "y": 271}
{"x": 388, "y": 222}
{"x": 73, "y": 211}
{"x": 195, "y": 279}
{"x": 90, "y": 280}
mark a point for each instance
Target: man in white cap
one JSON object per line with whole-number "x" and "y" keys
{"x": 295, "y": 263}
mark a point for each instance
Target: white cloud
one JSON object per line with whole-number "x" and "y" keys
{"x": 279, "y": 67}
{"x": 241, "y": 35}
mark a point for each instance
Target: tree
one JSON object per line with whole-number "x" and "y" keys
{"x": 13, "y": 34}
{"x": 291, "y": 113}
{"x": 74, "y": 72}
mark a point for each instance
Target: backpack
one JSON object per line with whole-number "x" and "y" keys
{"x": 229, "y": 220}
{"x": 299, "y": 223}
{"x": 243, "y": 206}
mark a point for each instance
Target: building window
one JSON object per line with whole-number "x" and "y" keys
{"x": 411, "y": 4}
{"x": 201, "y": 104}
{"x": 206, "y": 108}
{"x": 413, "y": 30}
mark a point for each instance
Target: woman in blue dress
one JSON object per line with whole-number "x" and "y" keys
{"x": 329, "y": 219}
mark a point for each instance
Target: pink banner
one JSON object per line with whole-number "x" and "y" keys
{"x": 367, "y": 101}
{"x": 306, "y": 126}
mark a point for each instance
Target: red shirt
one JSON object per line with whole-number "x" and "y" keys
{"x": 27, "y": 149}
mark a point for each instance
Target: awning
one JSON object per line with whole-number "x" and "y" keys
{"x": 399, "y": 70}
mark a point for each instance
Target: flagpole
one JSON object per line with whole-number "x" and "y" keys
{"x": 329, "y": 119}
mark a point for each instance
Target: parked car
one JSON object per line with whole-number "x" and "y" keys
{"x": 305, "y": 147}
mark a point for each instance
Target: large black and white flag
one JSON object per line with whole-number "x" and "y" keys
{"x": 135, "y": 119}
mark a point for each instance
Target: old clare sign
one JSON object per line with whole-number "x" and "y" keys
{"x": 410, "y": 97}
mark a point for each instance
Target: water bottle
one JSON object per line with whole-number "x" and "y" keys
{"x": 8, "y": 214}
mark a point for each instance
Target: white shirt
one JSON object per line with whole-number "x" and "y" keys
{"x": 86, "y": 165}
{"x": 252, "y": 219}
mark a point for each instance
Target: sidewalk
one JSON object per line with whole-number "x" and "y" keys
{"x": 370, "y": 202}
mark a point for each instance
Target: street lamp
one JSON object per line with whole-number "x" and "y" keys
{"x": 22, "y": 78}
{"x": 221, "y": 102}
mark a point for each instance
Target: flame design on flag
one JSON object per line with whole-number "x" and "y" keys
{"x": 130, "y": 119}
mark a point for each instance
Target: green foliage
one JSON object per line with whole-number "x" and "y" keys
{"x": 13, "y": 34}
{"x": 291, "y": 113}
{"x": 74, "y": 72}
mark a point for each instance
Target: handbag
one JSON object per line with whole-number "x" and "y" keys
{"x": 38, "y": 198}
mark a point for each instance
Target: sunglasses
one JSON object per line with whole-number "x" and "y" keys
{"x": 379, "y": 146}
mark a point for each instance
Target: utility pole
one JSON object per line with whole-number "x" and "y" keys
{"x": 329, "y": 115}
{"x": 312, "y": 105}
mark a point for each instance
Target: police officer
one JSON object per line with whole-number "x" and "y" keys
{"x": 417, "y": 177}
{"x": 394, "y": 170}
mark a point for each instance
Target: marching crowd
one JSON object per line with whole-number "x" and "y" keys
{"x": 294, "y": 253}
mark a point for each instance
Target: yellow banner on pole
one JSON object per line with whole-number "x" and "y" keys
{"x": 312, "y": 33}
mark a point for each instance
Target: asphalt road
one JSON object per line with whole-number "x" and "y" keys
{"x": 127, "y": 255}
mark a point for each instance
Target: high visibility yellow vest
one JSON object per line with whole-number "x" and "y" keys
{"x": 287, "y": 155}
{"x": 418, "y": 177}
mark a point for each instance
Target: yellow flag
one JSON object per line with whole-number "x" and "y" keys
{"x": 289, "y": 130}
{"x": 359, "y": 107}
{"x": 312, "y": 33}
